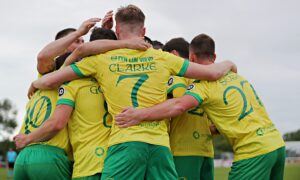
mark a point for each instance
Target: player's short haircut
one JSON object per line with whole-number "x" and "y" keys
{"x": 64, "y": 32}
{"x": 130, "y": 15}
{"x": 157, "y": 45}
{"x": 178, "y": 44}
{"x": 102, "y": 33}
{"x": 203, "y": 46}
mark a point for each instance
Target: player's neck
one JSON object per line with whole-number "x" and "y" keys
{"x": 124, "y": 36}
{"x": 204, "y": 61}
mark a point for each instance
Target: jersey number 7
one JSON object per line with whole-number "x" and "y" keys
{"x": 141, "y": 79}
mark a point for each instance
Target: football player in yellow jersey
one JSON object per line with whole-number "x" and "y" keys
{"x": 190, "y": 136}
{"x": 138, "y": 78}
{"x": 82, "y": 102}
{"x": 48, "y": 160}
{"x": 236, "y": 110}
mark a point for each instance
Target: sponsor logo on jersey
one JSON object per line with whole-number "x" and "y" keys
{"x": 190, "y": 87}
{"x": 61, "y": 91}
{"x": 170, "y": 82}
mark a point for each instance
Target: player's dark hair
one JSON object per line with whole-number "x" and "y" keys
{"x": 157, "y": 45}
{"x": 59, "y": 61}
{"x": 64, "y": 32}
{"x": 203, "y": 46}
{"x": 178, "y": 44}
{"x": 148, "y": 40}
{"x": 102, "y": 33}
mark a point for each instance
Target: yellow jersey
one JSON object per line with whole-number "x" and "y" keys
{"x": 238, "y": 113}
{"x": 89, "y": 125}
{"x": 38, "y": 110}
{"x": 189, "y": 133}
{"x": 134, "y": 78}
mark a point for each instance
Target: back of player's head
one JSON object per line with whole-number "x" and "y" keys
{"x": 59, "y": 61}
{"x": 157, "y": 45}
{"x": 64, "y": 32}
{"x": 178, "y": 44}
{"x": 102, "y": 33}
{"x": 203, "y": 47}
{"x": 130, "y": 14}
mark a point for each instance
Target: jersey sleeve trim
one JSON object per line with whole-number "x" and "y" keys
{"x": 176, "y": 86}
{"x": 77, "y": 70}
{"x": 184, "y": 67}
{"x": 66, "y": 102}
{"x": 196, "y": 96}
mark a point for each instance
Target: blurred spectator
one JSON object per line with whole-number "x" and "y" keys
{"x": 11, "y": 156}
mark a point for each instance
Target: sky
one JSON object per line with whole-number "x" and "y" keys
{"x": 261, "y": 37}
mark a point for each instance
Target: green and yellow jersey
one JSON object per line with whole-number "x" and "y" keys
{"x": 134, "y": 78}
{"x": 189, "y": 133}
{"x": 38, "y": 110}
{"x": 89, "y": 125}
{"x": 236, "y": 110}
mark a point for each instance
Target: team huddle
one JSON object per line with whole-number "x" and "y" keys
{"x": 124, "y": 107}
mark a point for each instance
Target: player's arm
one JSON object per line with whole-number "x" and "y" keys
{"x": 49, "y": 129}
{"x": 102, "y": 46}
{"x": 56, "y": 48}
{"x": 209, "y": 72}
{"x": 52, "y": 80}
{"x": 170, "y": 108}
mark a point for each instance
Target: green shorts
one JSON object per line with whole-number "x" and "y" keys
{"x": 194, "y": 167}
{"x": 93, "y": 177}
{"x": 138, "y": 160}
{"x": 263, "y": 167}
{"x": 42, "y": 162}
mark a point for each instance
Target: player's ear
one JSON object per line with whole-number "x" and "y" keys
{"x": 175, "y": 52}
{"x": 117, "y": 30}
{"x": 143, "y": 32}
{"x": 214, "y": 58}
{"x": 192, "y": 56}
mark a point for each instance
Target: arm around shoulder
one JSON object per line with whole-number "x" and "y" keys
{"x": 55, "y": 79}
{"x": 210, "y": 72}
{"x": 170, "y": 108}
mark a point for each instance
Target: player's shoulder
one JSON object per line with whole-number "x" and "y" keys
{"x": 119, "y": 51}
{"x": 81, "y": 82}
{"x": 173, "y": 80}
{"x": 76, "y": 85}
{"x": 196, "y": 83}
{"x": 231, "y": 78}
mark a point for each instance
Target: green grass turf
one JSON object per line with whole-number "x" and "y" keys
{"x": 3, "y": 173}
{"x": 292, "y": 172}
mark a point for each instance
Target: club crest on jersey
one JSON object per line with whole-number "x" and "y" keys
{"x": 61, "y": 91}
{"x": 190, "y": 87}
{"x": 170, "y": 82}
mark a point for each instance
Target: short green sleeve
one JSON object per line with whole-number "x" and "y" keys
{"x": 176, "y": 65}
{"x": 87, "y": 66}
{"x": 67, "y": 94}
